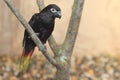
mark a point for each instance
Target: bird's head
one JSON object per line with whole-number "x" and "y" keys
{"x": 53, "y": 10}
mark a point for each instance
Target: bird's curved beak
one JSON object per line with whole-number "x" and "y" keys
{"x": 58, "y": 14}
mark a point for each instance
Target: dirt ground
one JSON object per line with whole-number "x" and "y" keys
{"x": 82, "y": 68}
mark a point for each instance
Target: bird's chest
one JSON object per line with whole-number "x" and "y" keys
{"x": 43, "y": 25}
{"x": 48, "y": 27}
{"x": 44, "y": 28}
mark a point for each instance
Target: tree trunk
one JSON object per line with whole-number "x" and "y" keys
{"x": 65, "y": 52}
{"x": 63, "y": 73}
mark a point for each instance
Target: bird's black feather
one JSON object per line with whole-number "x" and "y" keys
{"x": 43, "y": 24}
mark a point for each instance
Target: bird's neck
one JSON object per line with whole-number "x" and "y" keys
{"x": 47, "y": 17}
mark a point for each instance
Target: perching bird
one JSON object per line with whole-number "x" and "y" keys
{"x": 43, "y": 25}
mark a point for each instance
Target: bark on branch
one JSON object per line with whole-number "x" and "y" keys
{"x": 73, "y": 27}
{"x": 40, "y": 4}
{"x": 31, "y": 32}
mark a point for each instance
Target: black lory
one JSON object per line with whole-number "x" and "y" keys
{"x": 43, "y": 25}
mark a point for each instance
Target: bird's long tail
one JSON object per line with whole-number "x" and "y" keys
{"x": 25, "y": 59}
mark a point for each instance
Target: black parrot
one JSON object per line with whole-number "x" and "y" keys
{"x": 43, "y": 25}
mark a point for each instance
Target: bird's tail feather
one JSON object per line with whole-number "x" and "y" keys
{"x": 25, "y": 59}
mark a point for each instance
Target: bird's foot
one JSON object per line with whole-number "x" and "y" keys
{"x": 35, "y": 33}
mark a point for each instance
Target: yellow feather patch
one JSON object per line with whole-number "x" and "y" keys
{"x": 24, "y": 62}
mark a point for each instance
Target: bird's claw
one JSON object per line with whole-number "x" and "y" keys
{"x": 35, "y": 33}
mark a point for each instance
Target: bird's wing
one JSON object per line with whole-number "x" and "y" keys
{"x": 31, "y": 23}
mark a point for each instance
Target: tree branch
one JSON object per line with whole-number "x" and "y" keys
{"x": 40, "y": 4}
{"x": 31, "y": 32}
{"x": 73, "y": 27}
{"x": 51, "y": 39}
{"x": 53, "y": 45}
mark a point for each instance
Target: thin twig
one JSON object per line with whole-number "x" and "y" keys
{"x": 31, "y": 32}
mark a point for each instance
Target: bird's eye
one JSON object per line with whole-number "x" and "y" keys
{"x": 53, "y": 10}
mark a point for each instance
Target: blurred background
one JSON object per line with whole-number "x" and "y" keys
{"x": 99, "y": 31}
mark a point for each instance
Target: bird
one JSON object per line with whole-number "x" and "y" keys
{"x": 42, "y": 24}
